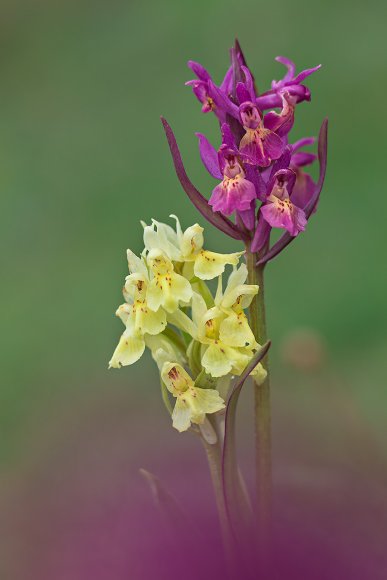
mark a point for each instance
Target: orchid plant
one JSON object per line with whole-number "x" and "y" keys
{"x": 206, "y": 342}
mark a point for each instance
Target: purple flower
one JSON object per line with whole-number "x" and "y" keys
{"x": 259, "y": 144}
{"x": 255, "y": 162}
{"x": 213, "y": 98}
{"x": 282, "y": 122}
{"x": 279, "y": 211}
{"x": 291, "y": 83}
{"x": 235, "y": 192}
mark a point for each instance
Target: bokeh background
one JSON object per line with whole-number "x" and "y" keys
{"x": 82, "y": 159}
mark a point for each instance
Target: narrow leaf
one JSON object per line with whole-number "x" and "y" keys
{"x": 322, "y": 156}
{"x": 199, "y": 201}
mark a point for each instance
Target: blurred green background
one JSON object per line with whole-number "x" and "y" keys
{"x": 83, "y": 158}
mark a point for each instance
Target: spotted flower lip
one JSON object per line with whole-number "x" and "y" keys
{"x": 235, "y": 192}
{"x": 279, "y": 210}
{"x": 192, "y": 403}
{"x": 259, "y": 144}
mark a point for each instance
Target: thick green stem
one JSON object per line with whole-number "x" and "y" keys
{"x": 262, "y": 414}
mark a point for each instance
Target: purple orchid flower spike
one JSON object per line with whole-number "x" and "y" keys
{"x": 286, "y": 239}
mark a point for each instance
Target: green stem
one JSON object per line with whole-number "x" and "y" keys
{"x": 262, "y": 414}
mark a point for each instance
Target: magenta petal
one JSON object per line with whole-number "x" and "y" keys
{"x": 281, "y": 124}
{"x": 293, "y": 221}
{"x": 275, "y": 218}
{"x": 232, "y": 195}
{"x": 303, "y": 158}
{"x": 255, "y": 153}
{"x": 249, "y": 82}
{"x": 209, "y": 156}
{"x": 242, "y": 93}
{"x": 289, "y": 65}
{"x": 305, "y": 73}
{"x": 194, "y": 195}
{"x": 222, "y": 101}
{"x": 199, "y": 70}
{"x": 268, "y": 100}
{"x": 227, "y": 136}
{"x": 273, "y": 145}
{"x": 303, "y": 143}
{"x": 226, "y": 86}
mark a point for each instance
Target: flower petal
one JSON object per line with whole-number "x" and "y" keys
{"x": 235, "y": 194}
{"x": 181, "y": 416}
{"x": 235, "y": 330}
{"x": 216, "y": 362}
{"x": 209, "y": 156}
{"x": 130, "y": 348}
{"x": 209, "y": 265}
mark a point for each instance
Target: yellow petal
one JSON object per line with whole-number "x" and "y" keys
{"x": 163, "y": 350}
{"x": 240, "y": 297}
{"x": 129, "y": 350}
{"x": 192, "y": 241}
{"x": 208, "y": 265}
{"x": 124, "y": 311}
{"x": 193, "y": 405}
{"x": 259, "y": 374}
{"x": 204, "y": 401}
{"x": 176, "y": 378}
{"x": 181, "y": 415}
{"x": 216, "y": 362}
{"x": 235, "y": 330}
{"x": 148, "y": 321}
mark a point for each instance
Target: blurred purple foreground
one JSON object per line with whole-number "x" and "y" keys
{"x": 79, "y": 510}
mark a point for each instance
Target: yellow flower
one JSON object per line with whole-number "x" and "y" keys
{"x": 236, "y": 297}
{"x": 192, "y": 403}
{"x": 187, "y": 247}
{"x": 136, "y": 314}
{"x": 167, "y": 288}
